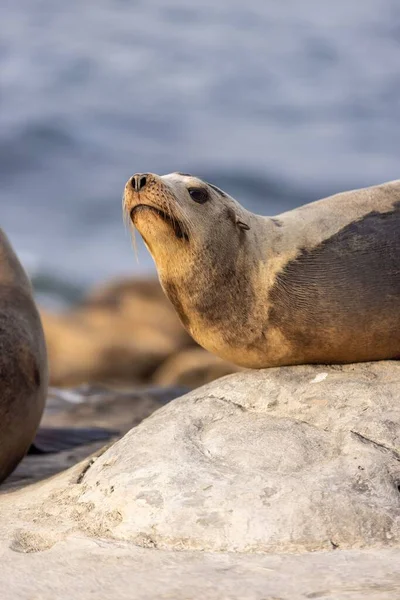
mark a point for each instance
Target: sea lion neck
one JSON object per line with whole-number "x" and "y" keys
{"x": 215, "y": 292}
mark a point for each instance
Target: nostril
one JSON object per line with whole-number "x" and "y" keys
{"x": 138, "y": 181}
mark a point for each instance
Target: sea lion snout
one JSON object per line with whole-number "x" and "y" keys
{"x": 138, "y": 181}
{"x": 144, "y": 188}
{"x": 149, "y": 203}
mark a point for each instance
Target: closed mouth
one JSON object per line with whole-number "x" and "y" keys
{"x": 172, "y": 221}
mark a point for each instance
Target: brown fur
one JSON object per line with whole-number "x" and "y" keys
{"x": 23, "y": 362}
{"x": 320, "y": 283}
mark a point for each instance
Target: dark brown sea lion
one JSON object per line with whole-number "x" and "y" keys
{"x": 24, "y": 374}
{"x": 318, "y": 284}
{"x": 23, "y": 362}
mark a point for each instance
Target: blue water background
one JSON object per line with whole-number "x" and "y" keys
{"x": 279, "y": 103}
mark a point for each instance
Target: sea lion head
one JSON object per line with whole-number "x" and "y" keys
{"x": 199, "y": 238}
{"x": 179, "y": 216}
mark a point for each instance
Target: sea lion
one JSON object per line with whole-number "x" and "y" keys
{"x": 23, "y": 361}
{"x": 24, "y": 374}
{"x": 317, "y": 284}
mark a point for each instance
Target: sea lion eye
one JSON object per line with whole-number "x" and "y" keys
{"x": 199, "y": 195}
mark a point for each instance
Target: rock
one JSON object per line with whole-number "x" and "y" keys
{"x": 243, "y": 476}
{"x": 83, "y": 568}
{"x": 192, "y": 367}
{"x": 291, "y": 459}
{"x": 119, "y": 335}
{"x": 281, "y": 460}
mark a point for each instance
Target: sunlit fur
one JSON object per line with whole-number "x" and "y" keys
{"x": 263, "y": 291}
{"x": 170, "y": 193}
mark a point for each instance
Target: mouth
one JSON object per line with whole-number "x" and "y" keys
{"x": 174, "y": 223}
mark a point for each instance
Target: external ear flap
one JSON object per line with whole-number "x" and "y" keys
{"x": 241, "y": 225}
{"x": 236, "y": 219}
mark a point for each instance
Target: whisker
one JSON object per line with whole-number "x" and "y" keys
{"x": 187, "y": 221}
{"x": 129, "y": 225}
{"x": 134, "y": 244}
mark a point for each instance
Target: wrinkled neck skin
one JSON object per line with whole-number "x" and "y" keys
{"x": 214, "y": 288}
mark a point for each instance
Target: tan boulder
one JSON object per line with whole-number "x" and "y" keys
{"x": 120, "y": 334}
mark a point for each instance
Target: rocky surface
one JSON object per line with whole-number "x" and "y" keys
{"x": 87, "y": 406}
{"x": 290, "y": 459}
{"x": 125, "y": 333}
{"x": 85, "y": 568}
{"x": 274, "y": 485}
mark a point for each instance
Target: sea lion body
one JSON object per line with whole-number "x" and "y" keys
{"x": 23, "y": 362}
{"x": 317, "y": 284}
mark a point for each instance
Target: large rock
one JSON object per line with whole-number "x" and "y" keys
{"x": 282, "y": 460}
{"x": 285, "y": 460}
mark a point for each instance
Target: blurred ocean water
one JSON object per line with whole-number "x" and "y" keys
{"x": 279, "y": 103}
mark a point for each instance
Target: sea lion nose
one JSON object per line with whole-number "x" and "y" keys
{"x": 138, "y": 181}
